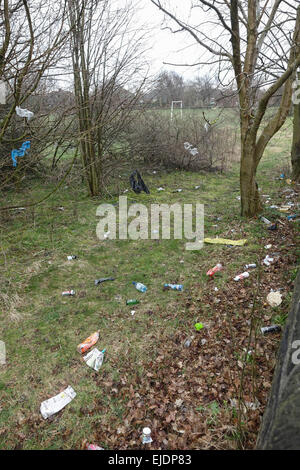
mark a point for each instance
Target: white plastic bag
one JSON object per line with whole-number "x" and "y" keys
{"x": 24, "y": 113}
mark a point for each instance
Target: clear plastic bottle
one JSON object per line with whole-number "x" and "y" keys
{"x": 241, "y": 276}
{"x": 139, "y": 286}
{"x": 146, "y": 437}
{"x": 173, "y": 286}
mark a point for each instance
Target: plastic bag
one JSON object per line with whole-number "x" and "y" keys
{"x": 24, "y": 113}
{"x": 139, "y": 185}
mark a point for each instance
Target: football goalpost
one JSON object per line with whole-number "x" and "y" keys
{"x": 172, "y": 108}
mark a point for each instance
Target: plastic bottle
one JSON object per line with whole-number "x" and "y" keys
{"x": 139, "y": 286}
{"x": 146, "y": 437}
{"x": 241, "y": 276}
{"x": 214, "y": 270}
{"x": 132, "y": 302}
{"x": 173, "y": 286}
{"x": 266, "y": 221}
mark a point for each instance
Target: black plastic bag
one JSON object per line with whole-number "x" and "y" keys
{"x": 139, "y": 185}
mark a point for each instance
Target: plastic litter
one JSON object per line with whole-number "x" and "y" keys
{"x": 160, "y": 189}
{"x": 248, "y": 266}
{"x": 93, "y": 447}
{"x": 274, "y": 298}
{"x": 268, "y": 260}
{"x": 24, "y": 113}
{"x": 68, "y": 292}
{"x": 292, "y": 217}
{"x": 266, "y": 221}
{"x": 94, "y": 358}
{"x": 139, "y": 286}
{"x": 198, "y": 326}
{"x": 273, "y": 226}
{"x": 103, "y": 279}
{"x": 173, "y": 287}
{"x": 139, "y": 185}
{"x": 270, "y": 329}
{"x": 267, "y": 247}
{"x": 187, "y": 343}
{"x": 20, "y": 152}
{"x": 132, "y": 302}
{"x": 57, "y": 403}
{"x": 214, "y": 270}
{"x": 88, "y": 342}
{"x": 71, "y": 257}
{"x": 146, "y": 436}
{"x": 2, "y": 353}
{"x": 225, "y": 241}
{"x": 132, "y": 312}
{"x": 244, "y": 275}
{"x": 197, "y": 187}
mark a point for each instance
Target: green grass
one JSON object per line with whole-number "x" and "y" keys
{"x": 41, "y": 328}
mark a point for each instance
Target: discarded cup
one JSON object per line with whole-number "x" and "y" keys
{"x": 139, "y": 286}
{"x": 88, "y": 342}
{"x": 173, "y": 287}
{"x": 146, "y": 436}
{"x": 214, "y": 270}
{"x": 68, "y": 292}
{"x": 239, "y": 277}
{"x": 57, "y": 403}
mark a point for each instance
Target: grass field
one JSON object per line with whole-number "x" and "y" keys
{"x": 148, "y": 377}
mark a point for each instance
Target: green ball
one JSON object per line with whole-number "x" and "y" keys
{"x": 198, "y": 326}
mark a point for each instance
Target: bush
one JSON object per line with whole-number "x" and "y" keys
{"x": 160, "y": 141}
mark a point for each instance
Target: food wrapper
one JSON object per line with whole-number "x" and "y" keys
{"x": 88, "y": 342}
{"x": 57, "y": 403}
{"x": 94, "y": 358}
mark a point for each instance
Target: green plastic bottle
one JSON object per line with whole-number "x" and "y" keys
{"x": 132, "y": 302}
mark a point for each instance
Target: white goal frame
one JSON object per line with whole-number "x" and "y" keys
{"x": 172, "y": 108}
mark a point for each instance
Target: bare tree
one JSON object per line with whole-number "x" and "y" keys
{"x": 260, "y": 43}
{"x": 106, "y": 51}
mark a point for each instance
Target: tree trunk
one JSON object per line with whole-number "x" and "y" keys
{"x": 250, "y": 201}
{"x": 296, "y": 144}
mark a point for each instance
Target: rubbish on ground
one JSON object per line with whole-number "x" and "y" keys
{"x": 93, "y": 447}
{"x": 68, "y": 292}
{"x": 244, "y": 275}
{"x": 273, "y": 226}
{"x": 24, "y": 113}
{"x": 203, "y": 341}
{"x": 57, "y": 403}
{"x": 20, "y": 152}
{"x": 187, "y": 343}
{"x": 292, "y": 217}
{"x": 274, "y": 298}
{"x": 106, "y": 234}
{"x": 188, "y": 146}
{"x": 198, "y": 326}
{"x": 173, "y": 287}
{"x": 252, "y": 265}
{"x": 88, "y": 342}
{"x": 216, "y": 289}
{"x": 225, "y": 241}
{"x": 139, "y": 185}
{"x": 177, "y": 190}
{"x": 248, "y": 404}
{"x": 2, "y": 353}
{"x": 266, "y": 221}
{"x": 267, "y": 247}
{"x": 132, "y": 302}
{"x": 197, "y": 187}
{"x": 285, "y": 208}
{"x": 214, "y": 270}
{"x": 289, "y": 181}
{"x": 274, "y": 207}
{"x": 238, "y": 198}
{"x": 268, "y": 260}
{"x": 139, "y": 286}
{"x": 132, "y": 312}
{"x": 270, "y": 329}
{"x": 103, "y": 279}
{"x": 146, "y": 437}
{"x": 282, "y": 176}
{"x": 94, "y": 358}
{"x": 194, "y": 151}
{"x": 160, "y": 189}
{"x": 71, "y": 257}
